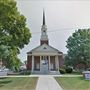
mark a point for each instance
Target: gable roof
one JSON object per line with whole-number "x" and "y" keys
{"x": 44, "y": 48}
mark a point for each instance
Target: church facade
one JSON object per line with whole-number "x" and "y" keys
{"x": 44, "y": 58}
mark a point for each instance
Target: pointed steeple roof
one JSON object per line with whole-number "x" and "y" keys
{"x": 44, "y": 36}
{"x": 43, "y": 17}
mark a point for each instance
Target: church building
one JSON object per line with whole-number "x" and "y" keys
{"x": 44, "y": 59}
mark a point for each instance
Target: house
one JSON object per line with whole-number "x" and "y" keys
{"x": 44, "y": 58}
{"x": 1, "y": 63}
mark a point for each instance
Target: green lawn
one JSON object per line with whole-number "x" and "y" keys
{"x": 73, "y": 83}
{"x": 18, "y": 83}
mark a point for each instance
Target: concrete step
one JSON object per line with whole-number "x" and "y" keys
{"x": 54, "y": 73}
{"x": 46, "y": 73}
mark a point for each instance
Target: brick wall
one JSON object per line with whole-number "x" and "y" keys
{"x": 52, "y": 61}
{"x": 29, "y": 62}
{"x": 61, "y": 61}
{"x": 42, "y": 42}
{"x": 36, "y": 62}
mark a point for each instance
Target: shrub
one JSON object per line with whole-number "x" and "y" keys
{"x": 62, "y": 71}
{"x": 25, "y": 72}
{"x": 68, "y": 70}
{"x": 88, "y": 69}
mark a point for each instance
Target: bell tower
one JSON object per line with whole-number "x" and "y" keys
{"x": 44, "y": 36}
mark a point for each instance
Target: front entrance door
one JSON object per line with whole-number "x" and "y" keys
{"x": 44, "y": 65}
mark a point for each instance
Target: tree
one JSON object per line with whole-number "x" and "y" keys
{"x": 4, "y": 52}
{"x": 79, "y": 49}
{"x": 13, "y": 30}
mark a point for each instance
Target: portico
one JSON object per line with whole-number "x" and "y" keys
{"x": 44, "y": 61}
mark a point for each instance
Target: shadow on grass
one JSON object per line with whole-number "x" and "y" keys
{"x": 3, "y": 83}
{"x": 2, "y": 78}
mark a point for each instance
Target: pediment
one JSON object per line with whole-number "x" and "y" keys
{"x": 44, "y": 48}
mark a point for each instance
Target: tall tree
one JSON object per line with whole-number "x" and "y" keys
{"x": 79, "y": 49}
{"x": 13, "y": 30}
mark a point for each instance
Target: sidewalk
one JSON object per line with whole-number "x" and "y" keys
{"x": 47, "y": 82}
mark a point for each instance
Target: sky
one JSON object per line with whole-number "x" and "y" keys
{"x": 63, "y": 17}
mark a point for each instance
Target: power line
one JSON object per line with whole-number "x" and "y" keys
{"x": 59, "y": 29}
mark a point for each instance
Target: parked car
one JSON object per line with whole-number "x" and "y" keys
{"x": 5, "y": 71}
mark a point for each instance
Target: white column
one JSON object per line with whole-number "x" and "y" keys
{"x": 49, "y": 64}
{"x": 57, "y": 62}
{"x": 32, "y": 63}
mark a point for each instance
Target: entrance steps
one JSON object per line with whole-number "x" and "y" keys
{"x": 54, "y": 73}
{"x": 46, "y": 73}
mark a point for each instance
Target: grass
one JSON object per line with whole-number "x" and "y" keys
{"x": 73, "y": 83}
{"x": 18, "y": 83}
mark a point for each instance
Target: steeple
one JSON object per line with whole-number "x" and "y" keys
{"x": 44, "y": 36}
{"x": 43, "y": 17}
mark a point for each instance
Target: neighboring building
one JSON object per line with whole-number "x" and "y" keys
{"x": 1, "y": 63}
{"x": 44, "y": 58}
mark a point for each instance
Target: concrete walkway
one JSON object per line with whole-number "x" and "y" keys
{"x": 47, "y": 82}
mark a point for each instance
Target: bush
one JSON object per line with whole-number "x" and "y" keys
{"x": 68, "y": 70}
{"x": 62, "y": 71}
{"x": 88, "y": 69}
{"x": 25, "y": 72}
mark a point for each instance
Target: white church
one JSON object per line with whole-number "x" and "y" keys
{"x": 44, "y": 59}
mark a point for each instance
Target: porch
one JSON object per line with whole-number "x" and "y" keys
{"x": 45, "y": 65}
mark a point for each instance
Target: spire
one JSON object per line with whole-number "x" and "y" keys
{"x": 43, "y": 17}
{"x": 44, "y": 36}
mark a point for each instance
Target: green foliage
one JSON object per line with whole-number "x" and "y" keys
{"x": 68, "y": 70}
{"x": 62, "y": 70}
{"x": 4, "y": 51}
{"x": 13, "y": 30}
{"x": 79, "y": 48}
{"x": 25, "y": 72}
{"x": 14, "y": 34}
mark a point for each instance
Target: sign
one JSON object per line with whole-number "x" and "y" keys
{"x": 87, "y": 75}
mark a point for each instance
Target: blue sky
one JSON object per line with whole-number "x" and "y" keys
{"x": 62, "y": 19}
